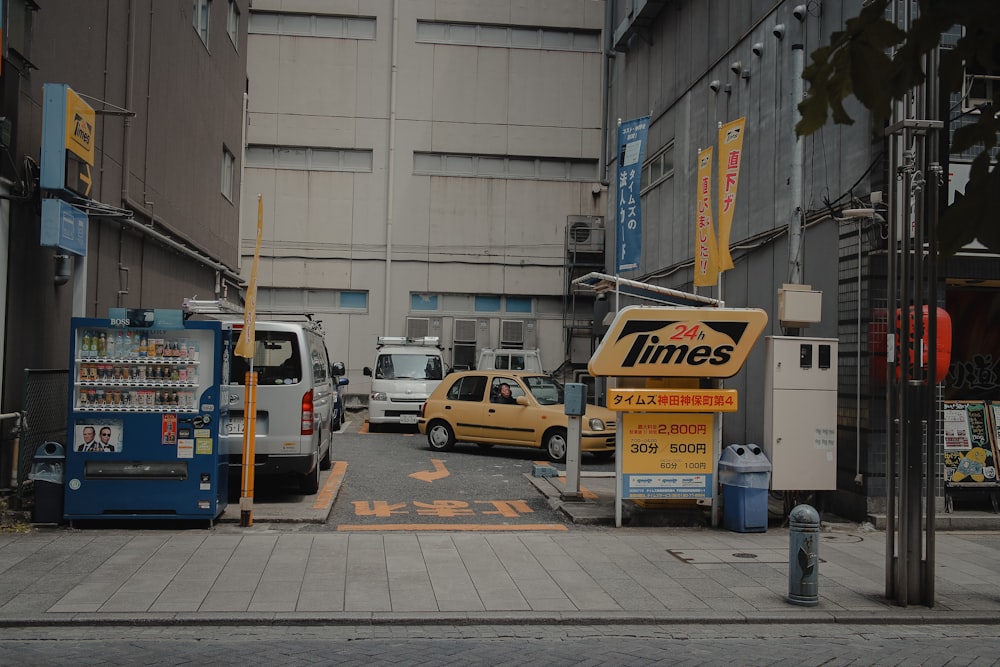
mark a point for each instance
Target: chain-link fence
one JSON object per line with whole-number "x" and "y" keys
{"x": 45, "y": 396}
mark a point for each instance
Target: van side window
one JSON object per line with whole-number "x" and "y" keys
{"x": 320, "y": 361}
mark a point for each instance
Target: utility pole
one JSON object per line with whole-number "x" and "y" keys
{"x": 911, "y": 416}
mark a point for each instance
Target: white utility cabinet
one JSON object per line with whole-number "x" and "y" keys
{"x": 800, "y": 412}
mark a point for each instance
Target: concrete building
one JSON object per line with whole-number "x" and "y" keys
{"x": 167, "y": 83}
{"x": 691, "y": 65}
{"x": 421, "y": 165}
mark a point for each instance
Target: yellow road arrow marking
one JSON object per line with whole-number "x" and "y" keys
{"x": 439, "y": 472}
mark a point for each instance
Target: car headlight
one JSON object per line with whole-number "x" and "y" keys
{"x": 379, "y": 396}
{"x": 596, "y": 424}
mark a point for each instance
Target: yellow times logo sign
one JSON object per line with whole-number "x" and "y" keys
{"x": 678, "y": 342}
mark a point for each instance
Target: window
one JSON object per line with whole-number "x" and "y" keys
{"x": 469, "y": 388}
{"x": 312, "y": 25}
{"x": 487, "y": 304}
{"x": 202, "y": 10}
{"x": 658, "y": 168}
{"x": 501, "y": 166}
{"x": 518, "y": 304}
{"x": 228, "y": 167}
{"x": 438, "y": 32}
{"x": 233, "y": 24}
{"x": 302, "y": 300}
{"x": 309, "y": 159}
{"x": 423, "y": 301}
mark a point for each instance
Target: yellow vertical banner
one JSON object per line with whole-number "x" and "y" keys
{"x": 730, "y": 156}
{"x": 706, "y": 254}
{"x": 244, "y": 347}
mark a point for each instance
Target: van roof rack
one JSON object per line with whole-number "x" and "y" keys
{"x": 224, "y": 307}
{"x": 428, "y": 341}
{"x": 210, "y": 307}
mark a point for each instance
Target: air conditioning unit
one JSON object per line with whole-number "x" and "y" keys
{"x": 512, "y": 334}
{"x": 977, "y": 91}
{"x": 584, "y": 233}
{"x": 417, "y": 327}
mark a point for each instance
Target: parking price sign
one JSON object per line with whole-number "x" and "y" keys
{"x": 667, "y": 455}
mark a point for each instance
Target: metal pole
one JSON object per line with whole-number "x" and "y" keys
{"x": 795, "y": 179}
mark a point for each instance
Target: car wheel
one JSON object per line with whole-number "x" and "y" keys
{"x": 335, "y": 423}
{"x": 309, "y": 482}
{"x": 555, "y": 444}
{"x": 603, "y": 456}
{"x": 440, "y": 436}
{"x": 325, "y": 463}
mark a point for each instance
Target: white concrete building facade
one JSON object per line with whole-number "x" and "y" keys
{"x": 418, "y": 161}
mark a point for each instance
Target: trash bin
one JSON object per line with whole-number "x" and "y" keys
{"x": 47, "y": 471}
{"x": 745, "y": 475}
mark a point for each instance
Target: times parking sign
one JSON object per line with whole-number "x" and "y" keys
{"x": 667, "y": 455}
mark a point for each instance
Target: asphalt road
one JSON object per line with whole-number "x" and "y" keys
{"x": 686, "y": 644}
{"x": 395, "y": 482}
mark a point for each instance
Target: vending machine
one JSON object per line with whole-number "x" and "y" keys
{"x": 144, "y": 410}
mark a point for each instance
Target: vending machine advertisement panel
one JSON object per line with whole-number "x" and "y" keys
{"x": 144, "y": 414}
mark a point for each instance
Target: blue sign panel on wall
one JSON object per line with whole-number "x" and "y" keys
{"x": 63, "y": 227}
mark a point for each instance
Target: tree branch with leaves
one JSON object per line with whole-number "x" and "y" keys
{"x": 878, "y": 62}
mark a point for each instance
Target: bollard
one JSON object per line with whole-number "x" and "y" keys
{"x": 803, "y": 556}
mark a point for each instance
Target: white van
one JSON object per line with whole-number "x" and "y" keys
{"x": 296, "y": 393}
{"x": 406, "y": 372}
{"x": 492, "y": 359}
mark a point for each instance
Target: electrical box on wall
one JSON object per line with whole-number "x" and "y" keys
{"x": 799, "y": 306}
{"x": 800, "y": 412}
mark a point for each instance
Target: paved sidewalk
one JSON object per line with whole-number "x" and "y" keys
{"x": 302, "y": 573}
{"x": 263, "y": 575}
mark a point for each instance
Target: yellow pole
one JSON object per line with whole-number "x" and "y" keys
{"x": 249, "y": 437}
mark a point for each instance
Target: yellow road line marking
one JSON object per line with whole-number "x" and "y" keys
{"x": 330, "y": 488}
{"x": 452, "y": 527}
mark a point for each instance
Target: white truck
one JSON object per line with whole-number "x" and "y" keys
{"x": 406, "y": 371}
{"x": 509, "y": 360}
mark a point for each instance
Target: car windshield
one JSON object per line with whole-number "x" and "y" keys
{"x": 545, "y": 390}
{"x": 408, "y": 366}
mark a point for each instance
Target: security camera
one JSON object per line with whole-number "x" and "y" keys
{"x": 715, "y": 84}
{"x": 736, "y": 66}
{"x": 757, "y": 49}
{"x": 800, "y": 12}
{"x": 779, "y": 30}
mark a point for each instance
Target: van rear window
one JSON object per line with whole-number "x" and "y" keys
{"x": 276, "y": 360}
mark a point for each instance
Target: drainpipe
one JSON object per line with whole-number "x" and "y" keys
{"x": 795, "y": 222}
{"x": 609, "y": 54}
{"x": 390, "y": 171}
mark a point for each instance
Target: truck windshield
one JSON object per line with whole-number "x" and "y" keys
{"x": 401, "y": 366}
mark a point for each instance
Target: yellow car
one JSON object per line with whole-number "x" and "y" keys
{"x": 510, "y": 408}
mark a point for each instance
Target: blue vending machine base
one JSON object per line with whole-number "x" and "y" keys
{"x": 744, "y": 510}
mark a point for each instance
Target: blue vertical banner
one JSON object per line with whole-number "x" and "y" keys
{"x": 631, "y": 149}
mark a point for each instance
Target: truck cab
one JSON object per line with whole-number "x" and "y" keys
{"x": 406, "y": 371}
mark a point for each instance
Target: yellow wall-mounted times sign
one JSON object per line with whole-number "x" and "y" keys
{"x": 678, "y": 342}
{"x": 68, "y": 142}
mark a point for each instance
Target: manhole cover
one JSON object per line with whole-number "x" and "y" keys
{"x": 743, "y": 554}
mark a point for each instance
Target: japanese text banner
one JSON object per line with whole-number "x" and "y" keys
{"x": 730, "y": 155}
{"x": 706, "y": 254}
{"x": 631, "y": 148}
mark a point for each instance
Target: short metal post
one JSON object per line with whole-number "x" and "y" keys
{"x": 572, "y": 490}
{"x": 803, "y": 556}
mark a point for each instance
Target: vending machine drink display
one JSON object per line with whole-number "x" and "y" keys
{"x": 144, "y": 414}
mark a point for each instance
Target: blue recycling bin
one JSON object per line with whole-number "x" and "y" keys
{"x": 745, "y": 475}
